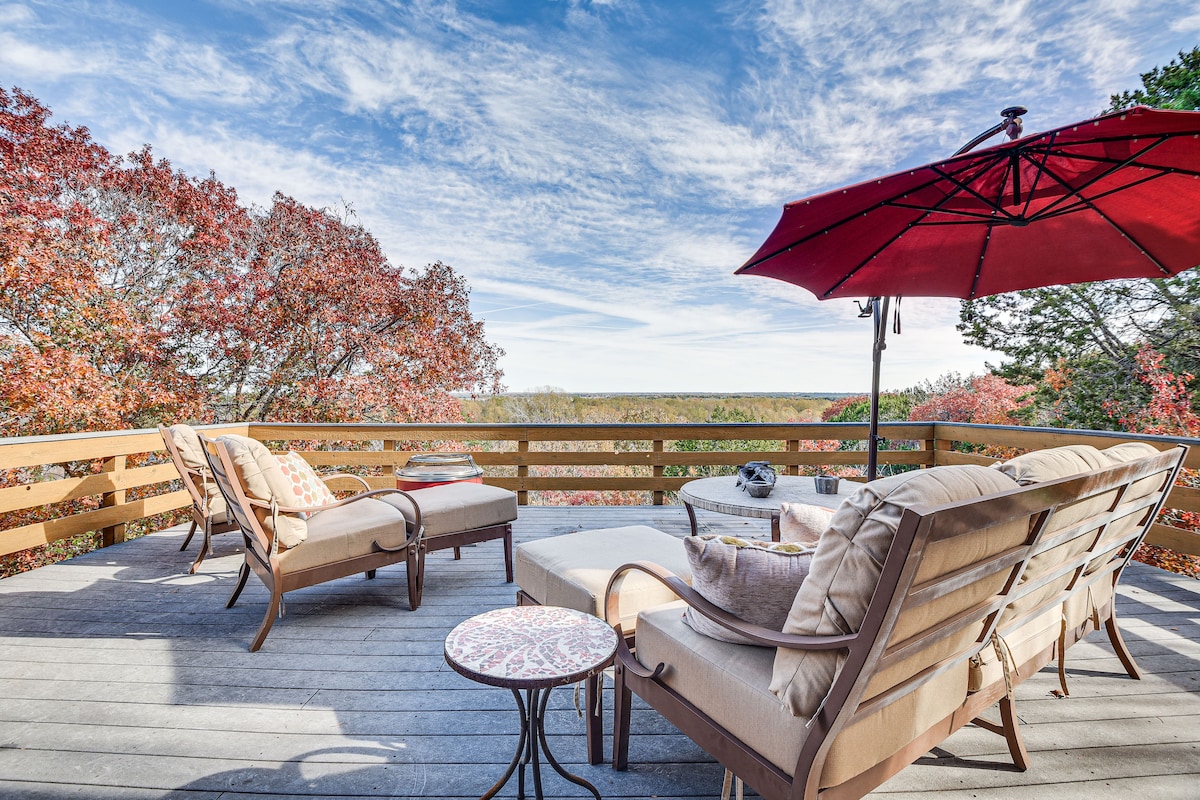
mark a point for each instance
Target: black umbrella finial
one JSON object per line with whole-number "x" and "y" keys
{"x": 1010, "y": 124}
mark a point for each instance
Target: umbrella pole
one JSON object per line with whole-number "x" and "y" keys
{"x": 879, "y": 311}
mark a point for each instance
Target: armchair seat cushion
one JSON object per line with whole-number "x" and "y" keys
{"x": 730, "y": 683}
{"x": 345, "y": 532}
{"x": 457, "y": 507}
{"x": 573, "y": 570}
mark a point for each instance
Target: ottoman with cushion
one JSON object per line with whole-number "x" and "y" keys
{"x": 573, "y": 571}
{"x": 459, "y": 514}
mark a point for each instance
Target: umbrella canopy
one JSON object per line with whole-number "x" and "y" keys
{"x": 1117, "y": 196}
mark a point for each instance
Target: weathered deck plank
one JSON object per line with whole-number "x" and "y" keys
{"x": 123, "y": 677}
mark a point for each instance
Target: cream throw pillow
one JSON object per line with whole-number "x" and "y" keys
{"x": 755, "y": 581}
{"x": 803, "y": 523}
{"x": 846, "y": 567}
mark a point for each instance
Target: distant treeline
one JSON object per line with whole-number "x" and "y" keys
{"x": 555, "y": 406}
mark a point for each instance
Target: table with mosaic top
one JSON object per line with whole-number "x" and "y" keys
{"x": 724, "y": 496}
{"x": 531, "y": 649}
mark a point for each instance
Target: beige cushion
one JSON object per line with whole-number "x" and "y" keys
{"x": 308, "y": 487}
{"x": 846, "y": 567}
{"x": 1033, "y": 640}
{"x": 191, "y": 451}
{"x": 1089, "y": 602}
{"x": 803, "y": 523}
{"x": 755, "y": 581}
{"x": 261, "y": 479}
{"x": 1040, "y": 466}
{"x": 1129, "y": 451}
{"x": 729, "y": 682}
{"x": 345, "y": 532}
{"x": 457, "y": 507}
{"x": 573, "y": 570}
{"x": 1059, "y": 462}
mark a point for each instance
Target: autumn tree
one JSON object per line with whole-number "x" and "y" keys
{"x": 134, "y": 293}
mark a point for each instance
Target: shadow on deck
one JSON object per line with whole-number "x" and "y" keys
{"x": 123, "y": 677}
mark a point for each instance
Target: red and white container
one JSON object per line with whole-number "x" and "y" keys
{"x": 435, "y": 469}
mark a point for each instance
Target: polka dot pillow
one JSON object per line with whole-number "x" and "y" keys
{"x": 309, "y": 489}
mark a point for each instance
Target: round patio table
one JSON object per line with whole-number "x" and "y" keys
{"x": 724, "y": 496}
{"x": 531, "y": 649}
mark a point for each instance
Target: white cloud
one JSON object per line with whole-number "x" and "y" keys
{"x": 595, "y": 175}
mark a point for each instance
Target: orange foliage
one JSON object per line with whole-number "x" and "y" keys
{"x": 131, "y": 293}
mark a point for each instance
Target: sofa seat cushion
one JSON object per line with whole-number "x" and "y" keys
{"x": 338, "y": 534}
{"x": 573, "y": 570}
{"x": 1037, "y": 636}
{"x": 848, "y": 561}
{"x": 755, "y": 581}
{"x": 1090, "y": 603}
{"x": 457, "y": 507}
{"x": 730, "y": 683}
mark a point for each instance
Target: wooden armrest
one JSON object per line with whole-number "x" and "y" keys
{"x": 756, "y": 633}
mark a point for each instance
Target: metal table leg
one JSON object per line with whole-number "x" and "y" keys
{"x": 531, "y": 746}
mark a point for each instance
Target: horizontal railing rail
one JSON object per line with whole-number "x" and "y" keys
{"x": 60, "y": 486}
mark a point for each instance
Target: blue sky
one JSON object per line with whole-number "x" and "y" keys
{"x": 596, "y": 170}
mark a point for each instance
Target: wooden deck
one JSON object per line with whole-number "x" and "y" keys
{"x": 123, "y": 677}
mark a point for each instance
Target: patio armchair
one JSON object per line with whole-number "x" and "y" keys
{"x": 290, "y": 546}
{"x": 210, "y": 514}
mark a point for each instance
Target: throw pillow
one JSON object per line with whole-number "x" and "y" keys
{"x": 308, "y": 487}
{"x": 803, "y": 523}
{"x": 756, "y": 581}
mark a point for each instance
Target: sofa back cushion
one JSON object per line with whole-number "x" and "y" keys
{"x": 1039, "y": 466}
{"x": 846, "y": 567}
{"x": 258, "y": 471}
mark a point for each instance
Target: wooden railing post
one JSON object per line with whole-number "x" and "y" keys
{"x": 793, "y": 446}
{"x": 389, "y": 446}
{"x": 114, "y": 533}
{"x": 522, "y": 471}
{"x": 658, "y": 472}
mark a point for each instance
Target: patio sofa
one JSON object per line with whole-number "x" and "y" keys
{"x": 930, "y": 597}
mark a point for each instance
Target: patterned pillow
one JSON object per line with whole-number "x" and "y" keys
{"x": 309, "y": 489}
{"x": 756, "y": 581}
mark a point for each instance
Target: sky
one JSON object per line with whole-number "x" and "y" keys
{"x": 595, "y": 169}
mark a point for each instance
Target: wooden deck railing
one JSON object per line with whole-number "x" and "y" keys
{"x": 60, "y": 486}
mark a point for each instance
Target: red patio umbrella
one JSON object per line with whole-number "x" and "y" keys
{"x": 1117, "y": 196}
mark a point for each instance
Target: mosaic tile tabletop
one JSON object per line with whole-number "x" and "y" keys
{"x": 531, "y": 646}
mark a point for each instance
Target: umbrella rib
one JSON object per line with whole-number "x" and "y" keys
{"x": 987, "y": 239}
{"x": 971, "y": 192}
{"x": 1088, "y": 202}
{"x": 890, "y": 201}
{"x": 851, "y": 273}
{"x": 1078, "y": 192}
{"x": 1072, "y": 208}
